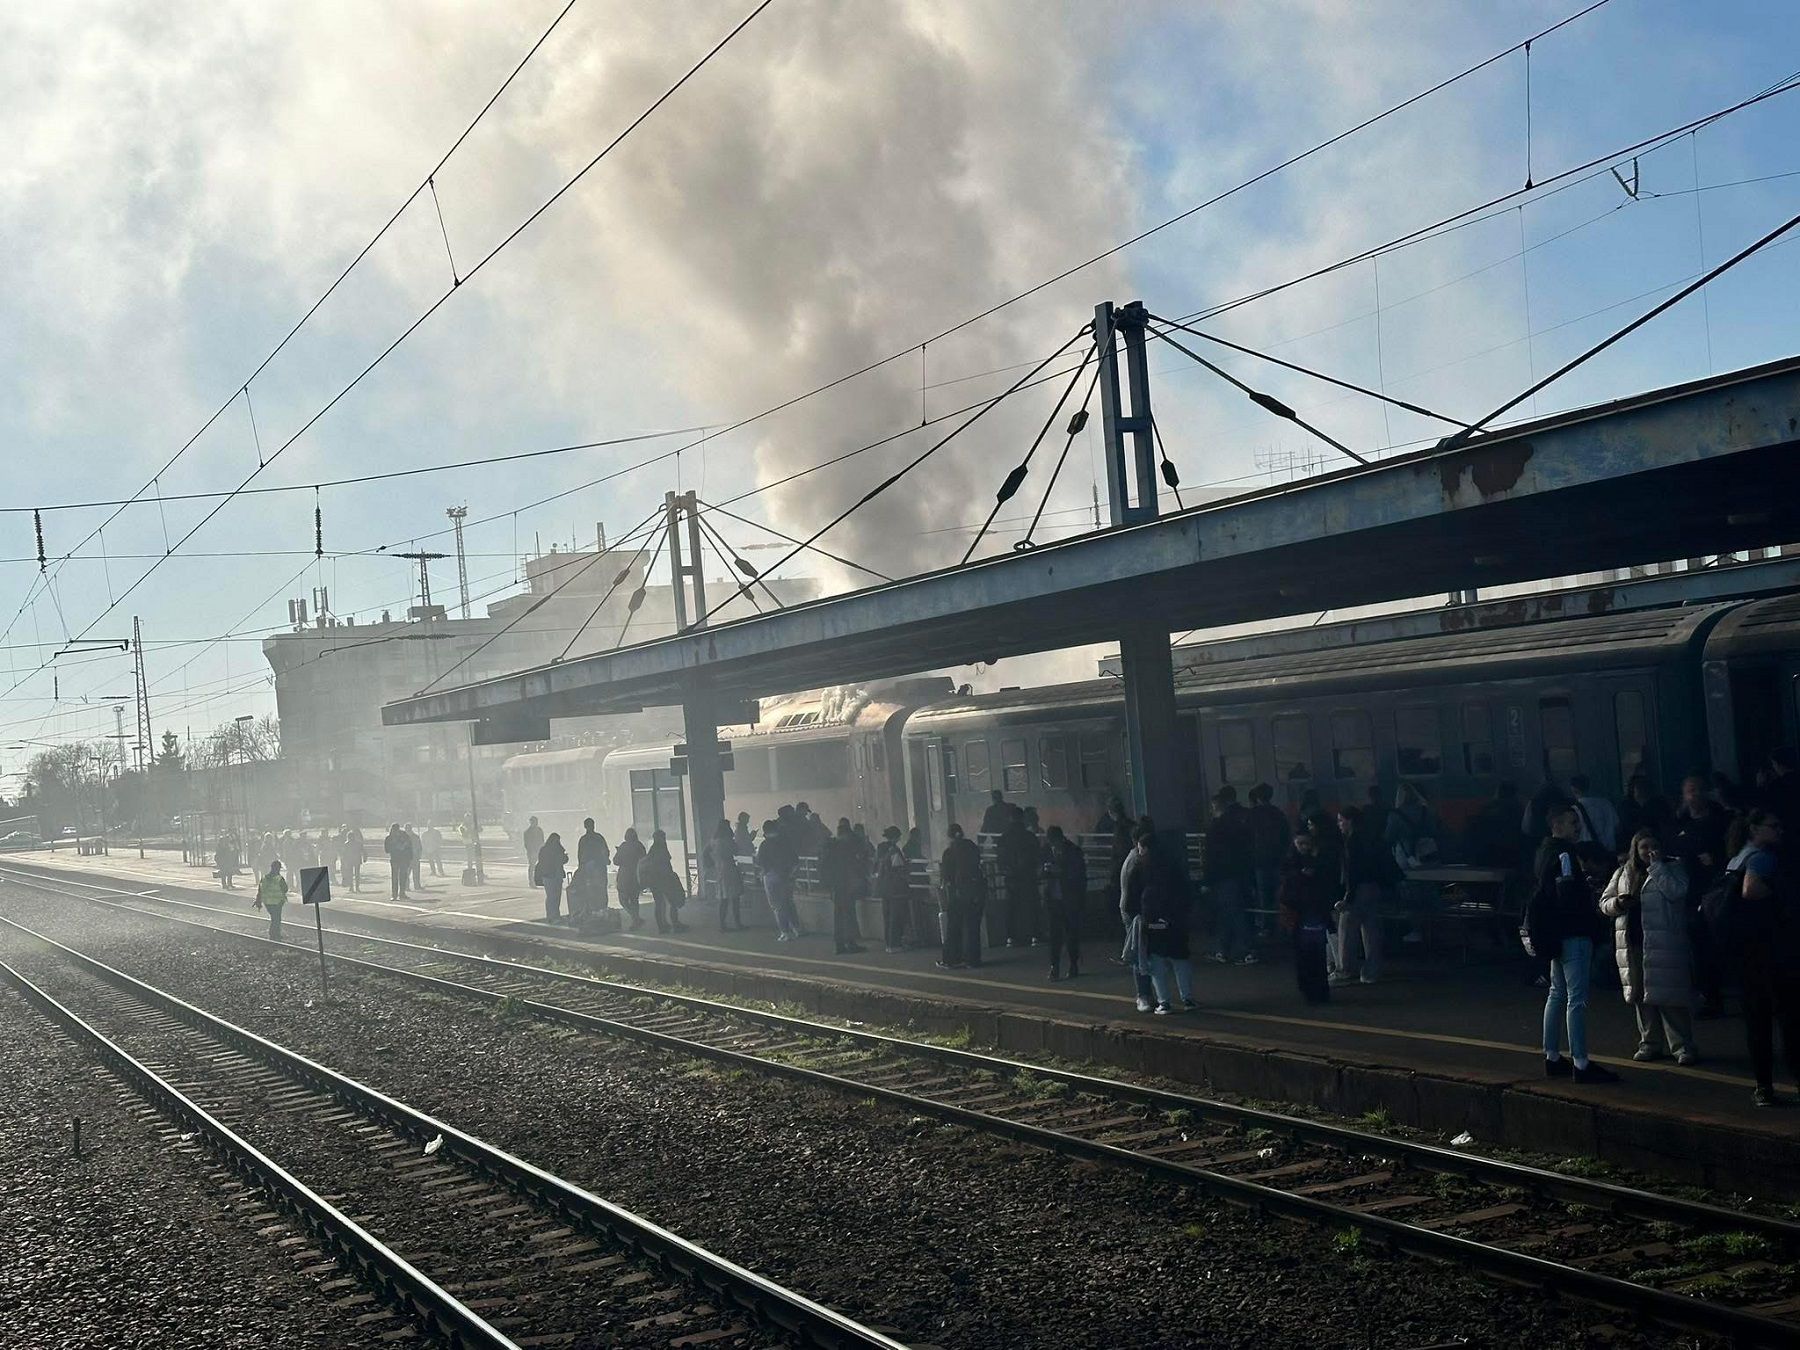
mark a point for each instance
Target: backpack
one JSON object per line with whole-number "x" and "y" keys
{"x": 1722, "y": 908}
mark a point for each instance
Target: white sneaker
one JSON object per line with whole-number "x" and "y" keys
{"x": 1339, "y": 977}
{"x": 1366, "y": 979}
{"x": 1143, "y": 1005}
{"x": 1251, "y": 959}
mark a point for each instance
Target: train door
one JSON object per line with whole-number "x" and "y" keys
{"x": 1630, "y": 748}
{"x": 657, "y": 804}
{"x": 1756, "y": 712}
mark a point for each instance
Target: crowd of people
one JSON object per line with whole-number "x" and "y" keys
{"x": 342, "y": 851}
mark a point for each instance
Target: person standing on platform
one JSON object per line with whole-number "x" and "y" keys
{"x": 629, "y": 859}
{"x": 328, "y": 850}
{"x": 398, "y": 848}
{"x": 964, "y": 897}
{"x": 1370, "y": 876}
{"x": 587, "y": 888}
{"x": 531, "y": 841}
{"x": 668, "y": 892}
{"x": 433, "y": 842}
{"x": 1562, "y": 922}
{"x": 839, "y": 870}
{"x": 1305, "y": 896}
{"x": 744, "y": 838}
{"x": 1065, "y": 895}
{"x": 1135, "y": 954}
{"x": 893, "y": 887}
{"x": 1767, "y": 929}
{"x": 776, "y": 860}
{"x": 1269, "y": 838}
{"x": 728, "y": 880}
{"x": 552, "y": 866}
{"x": 415, "y": 847}
{"x": 1230, "y": 871}
{"x": 351, "y": 857}
{"x": 1698, "y": 844}
{"x": 227, "y": 858}
{"x": 1020, "y": 859}
{"x": 1647, "y": 900}
{"x": 271, "y": 895}
{"x": 1160, "y": 883}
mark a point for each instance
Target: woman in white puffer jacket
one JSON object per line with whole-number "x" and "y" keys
{"x": 1647, "y": 902}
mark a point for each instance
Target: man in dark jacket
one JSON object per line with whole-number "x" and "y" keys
{"x": 1697, "y": 842}
{"x": 1065, "y": 892}
{"x": 1562, "y": 924}
{"x": 398, "y": 847}
{"x": 1370, "y": 876}
{"x": 964, "y": 897}
{"x": 893, "y": 887}
{"x": 994, "y": 819}
{"x": 1230, "y": 871}
{"x": 1306, "y": 900}
{"x": 1269, "y": 835}
{"x": 1020, "y": 859}
{"x": 587, "y": 888}
{"x": 840, "y": 869}
{"x": 629, "y": 859}
{"x": 531, "y": 841}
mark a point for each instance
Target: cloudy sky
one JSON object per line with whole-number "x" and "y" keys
{"x": 844, "y": 181}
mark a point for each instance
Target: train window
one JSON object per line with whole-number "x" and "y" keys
{"x": 1053, "y": 759}
{"x": 934, "y": 774}
{"x": 1015, "y": 770}
{"x": 1352, "y": 746}
{"x": 975, "y": 765}
{"x": 1096, "y": 771}
{"x": 643, "y": 801}
{"x": 1634, "y": 734}
{"x": 877, "y": 757}
{"x": 809, "y": 767}
{"x": 1556, "y": 719}
{"x": 1237, "y": 753}
{"x": 1293, "y": 749}
{"x": 951, "y": 761}
{"x": 668, "y": 806}
{"x": 1477, "y": 740}
{"x": 1418, "y": 742}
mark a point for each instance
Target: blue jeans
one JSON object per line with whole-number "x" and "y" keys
{"x": 1231, "y": 938}
{"x": 1171, "y": 970}
{"x": 1568, "y": 999}
{"x": 781, "y": 903}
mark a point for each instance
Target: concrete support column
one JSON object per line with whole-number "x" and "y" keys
{"x": 1151, "y": 730}
{"x": 705, "y": 774}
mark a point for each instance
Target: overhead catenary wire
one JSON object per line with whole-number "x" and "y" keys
{"x": 1305, "y": 370}
{"x": 418, "y": 322}
{"x": 623, "y": 576}
{"x": 1461, "y": 437}
{"x": 1077, "y": 424}
{"x": 920, "y": 458}
{"x": 779, "y": 534}
{"x": 1016, "y": 478}
{"x": 734, "y": 560}
{"x": 1267, "y": 402}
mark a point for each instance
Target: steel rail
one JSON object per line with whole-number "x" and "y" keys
{"x": 1744, "y": 1327}
{"x": 1595, "y": 1193}
{"x": 813, "y": 1323}
{"x": 392, "y": 1275}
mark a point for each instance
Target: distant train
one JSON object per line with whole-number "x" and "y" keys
{"x": 1658, "y": 691}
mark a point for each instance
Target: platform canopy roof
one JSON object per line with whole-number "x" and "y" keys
{"x": 1701, "y": 468}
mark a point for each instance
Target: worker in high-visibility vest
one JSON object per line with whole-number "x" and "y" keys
{"x": 271, "y": 895}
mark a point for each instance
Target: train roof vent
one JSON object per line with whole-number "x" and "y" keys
{"x": 798, "y": 719}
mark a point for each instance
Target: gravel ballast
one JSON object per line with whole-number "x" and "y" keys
{"x": 134, "y": 1243}
{"x": 949, "y": 1237}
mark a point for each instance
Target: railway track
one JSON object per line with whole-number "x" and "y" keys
{"x": 460, "y": 1239}
{"x": 1669, "y": 1260}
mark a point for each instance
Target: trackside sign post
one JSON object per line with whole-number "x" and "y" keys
{"x": 315, "y": 890}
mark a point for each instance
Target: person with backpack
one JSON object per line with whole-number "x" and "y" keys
{"x": 1751, "y": 913}
{"x": 1647, "y": 900}
{"x": 271, "y": 895}
{"x": 1562, "y": 923}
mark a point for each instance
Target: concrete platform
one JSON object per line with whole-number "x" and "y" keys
{"x": 1437, "y": 1044}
